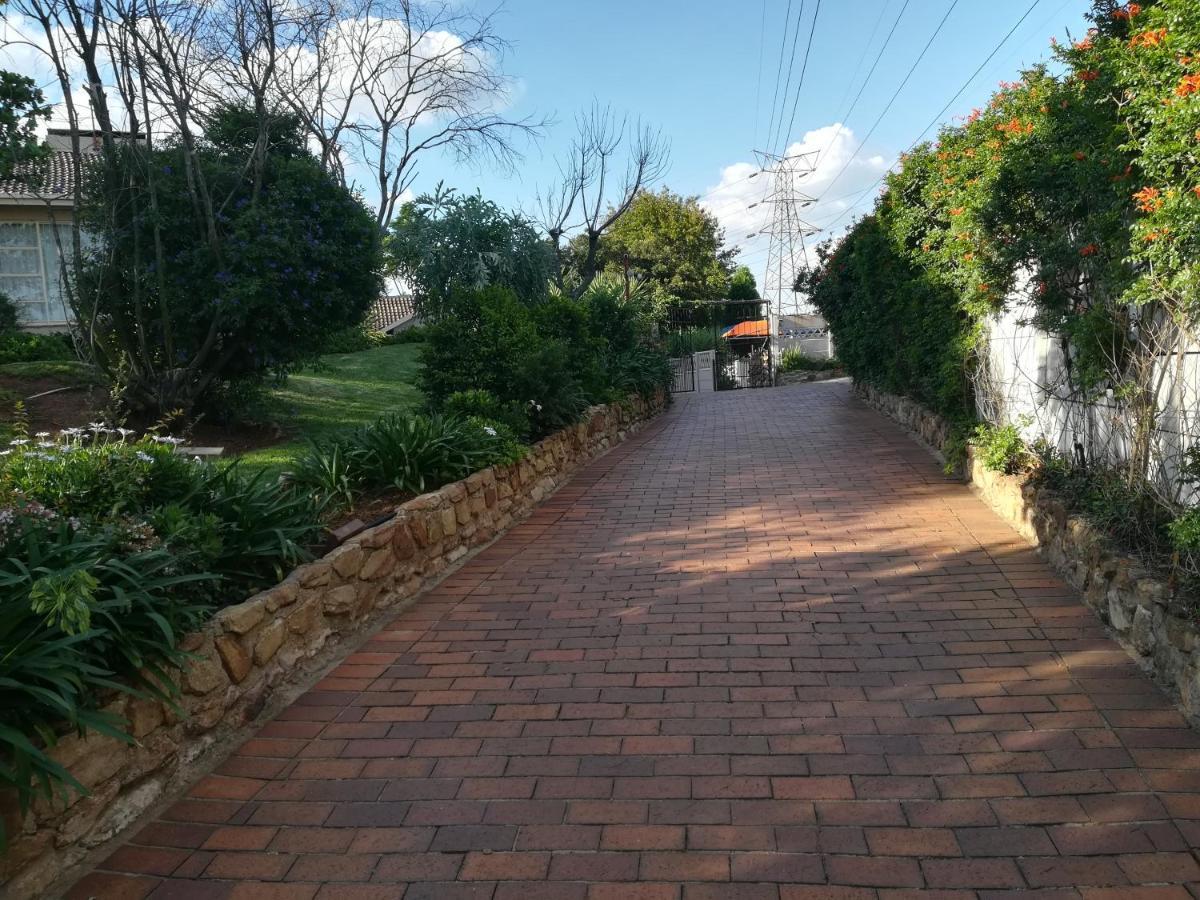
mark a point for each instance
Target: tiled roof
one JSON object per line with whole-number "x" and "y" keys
{"x": 753, "y": 329}
{"x": 390, "y": 311}
{"x": 55, "y": 179}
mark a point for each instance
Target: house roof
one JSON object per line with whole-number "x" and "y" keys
{"x": 755, "y": 328}
{"x": 57, "y": 180}
{"x": 390, "y": 311}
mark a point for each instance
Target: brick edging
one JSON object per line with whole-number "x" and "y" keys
{"x": 255, "y": 647}
{"x": 1139, "y": 609}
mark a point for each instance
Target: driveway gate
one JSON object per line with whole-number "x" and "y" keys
{"x": 683, "y": 374}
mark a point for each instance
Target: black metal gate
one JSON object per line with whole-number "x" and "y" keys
{"x": 733, "y": 371}
{"x": 683, "y": 374}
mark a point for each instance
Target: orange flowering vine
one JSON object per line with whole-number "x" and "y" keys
{"x": 1089, "y": 250}
{"x": 1087, "y": 75}
{"x": 1149, "y": 38}
{"x": 958, "y": 211}
{"x": 1130, "y": 11}
{"x": 1189, "y": 85}
{"x": 1149, "y": 199}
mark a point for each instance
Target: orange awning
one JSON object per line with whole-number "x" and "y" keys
{"x": 756, "y": 328}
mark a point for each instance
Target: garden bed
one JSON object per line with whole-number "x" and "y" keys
{"x": 1140, "y": 607}
{"x": 250, "y": 649}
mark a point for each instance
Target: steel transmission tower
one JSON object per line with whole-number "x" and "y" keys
{"x": 787, "y": 255}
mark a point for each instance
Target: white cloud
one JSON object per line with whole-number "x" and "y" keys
{"x": 834, "y": 184}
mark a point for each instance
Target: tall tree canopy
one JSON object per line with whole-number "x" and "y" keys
{"x": 21, "y": 106}
{"x": 445, "y": 242}
{"x": 742, "y": 285}
{"x": 674, "y": 245}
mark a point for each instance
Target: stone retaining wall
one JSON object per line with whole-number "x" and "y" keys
{"x": 1139, "y": 608}
{"x": 253, "y": 647}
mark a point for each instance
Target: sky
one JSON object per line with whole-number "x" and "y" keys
{"x": 710, "y": 75}
{"x": 704, "y": 71}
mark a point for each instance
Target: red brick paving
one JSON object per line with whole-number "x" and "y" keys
{"x": 764, "y": 650}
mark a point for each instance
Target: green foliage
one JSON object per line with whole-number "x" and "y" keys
{"x": 445, "y": 244}
{"x": 182, "y": 303}
{"x": 1078, "y": 192}
{"x": 239, "y": 529}
{"x": 22, "y": 105}
{"x": 1001, "y": 448}
{"x": 550, "y": 359}
{"x": 21, "y": 346}
{"x": 354, "y": 339}
{"x": 10, "y": 317}
{"x": 691, "y": 340}
{"x": 81, "y": 618}
{"x": 742, "y": 285}
{"x": 793, "y": 359}
{"x": 414, "y": 334}
{"x": 672, "y": 244}
{"x": 1185, "y": 532}
{"x": 408, "y": 454}
{"x": 480, "y": 404}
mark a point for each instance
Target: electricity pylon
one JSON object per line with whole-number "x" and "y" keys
{"x": 787, "y": 254}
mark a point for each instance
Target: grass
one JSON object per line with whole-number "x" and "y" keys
{"x": 344, "y": 391}
{"x": 70, "y": 371}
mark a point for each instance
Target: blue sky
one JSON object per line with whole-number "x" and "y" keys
{"x": 704, "y": 72}
{"x": 692, "y": 67}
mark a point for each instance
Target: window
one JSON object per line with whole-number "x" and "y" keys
{"x": 30, "y": 272}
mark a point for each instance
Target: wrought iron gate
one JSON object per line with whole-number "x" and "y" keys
{"x": 733, "y": 371}
{"x": 683, "y": 374}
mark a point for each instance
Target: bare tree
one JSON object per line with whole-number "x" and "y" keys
{"x": 611, "y": 161}
{"x": 378, "y": 83}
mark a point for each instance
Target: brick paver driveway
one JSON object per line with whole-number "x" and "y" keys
{"x": 765, "y": 650}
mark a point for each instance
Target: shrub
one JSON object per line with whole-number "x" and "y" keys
{"x": 409, "y": 454}
{"x": 1001, "y": 448}
{"x": 480, "y": 404}
{"x": 80, "y": 618}
{"x": 493, "y": 342}
{"x": 414, "y": 334}
{"x": 183, "y": 301}
{"x": 641, "y": 370}
{"x": 20, "y": 346}
{"x": 354, "y": 339}
{"x": 10, "y": 318}
{"x": 550, "y": 359}
{"x": 447, "y": 243}
{"x": 240, "y": 530}
{"x": 793, "y": 359}
{"x": 691, "y": 340}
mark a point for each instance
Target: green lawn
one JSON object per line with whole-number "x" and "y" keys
{"x": 346, "y": 390}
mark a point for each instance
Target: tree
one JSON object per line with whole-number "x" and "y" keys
{"x": 447, "y": 242}
{"x": 295, "y": 258}
{"x": 380, "y": 83}
{"x": 742, "y": 285}
{"x": 672, "y": 243}
{"x": 22, "y": 105}
{"x": 217, "y": 247}
{"x": 584, "y": 202}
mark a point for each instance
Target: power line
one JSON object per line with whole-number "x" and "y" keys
{"x": 887, "y": 108}
{"x": 787, "y": 18}
{"x": 937, "y": 118}
{"x": 862, "y": 56}
{"x": 762, "y": 45}
{"x": 787, "y": 85}
{"x": 878, "y": 58}
{"x": 803, "y": 70}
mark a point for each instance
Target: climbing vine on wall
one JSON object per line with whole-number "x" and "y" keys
{"x": 1075, "y": 193}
